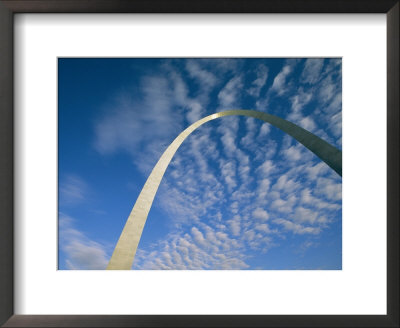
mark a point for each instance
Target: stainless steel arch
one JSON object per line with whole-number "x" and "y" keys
{"x": 125, "y": 250}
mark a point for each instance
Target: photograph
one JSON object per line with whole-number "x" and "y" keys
{"x": 199, "y": 163}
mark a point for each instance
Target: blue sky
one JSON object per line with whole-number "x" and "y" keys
{"x": 239, "y": 193}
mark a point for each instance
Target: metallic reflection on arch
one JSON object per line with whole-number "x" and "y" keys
{"x": 125, "y": 250}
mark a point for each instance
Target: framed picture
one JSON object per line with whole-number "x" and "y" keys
{"x": 233, "y": 196}
{"x": 94, "y": 105}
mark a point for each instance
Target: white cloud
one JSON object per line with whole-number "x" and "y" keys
{"x": 81, "y": 252}
{"x": 266, "y": 168}
{"x": 306, "y": 245}
{"x": 263, "y": 227}
{"x": 229, "y": 96}
{"x": 306, "y": 196}
{"x": 72, "y": 190}
{"x": 235, "y": 225}
{"x": 228, "y": 141}
{"x": 335, "y": 105}
{"x": 305, "y": 215}
{"x": 196, "y": 111}
{"x": 249, "y": 235}
{"x": 198, "y": 236}
{"x": 299, "y": 100}
{"x": 273, "y": 195}
{"x": 204, "y": 77}
{"x": 218, "y": 66}
{"x": 228, "y": 129}
{"x": 232, "y": 264}
{"x": 286, "y": 184}
{"x": 260, "y": 214}
{"x": 259, "y": 82}
{"x": 193, "y": 252}
{"x": 234, "y": 207}
{"x": 180, "y": 89}
{"x": 297, "y": 228}
{"x": 211, "y": 237}
{"x": 312, "y": 70}
{"x": 181, "y": 98}
{"x": 130, "y": 125}
{"x": 189, "y": 187}
{"x": 297, "y": 153}
{"x": 308, "y": 124}
{"x": 195, "y": 106}
{"x": 265, "y": 150}
{"x": 244, "y": 171}
{"x": 317, "y": 170}
{"x": 264, "y": 130}
{"x": 263, "y": 189}
{"x": 284, "y": 206}
{"x": 329, "y": 188}
{"x": 202, "y": 147}
{"x": 228, "y": 171}
{"x": 194, "y": 191}
{"x": 279, "y": 85}
{"x": 335, "y": 124}
{"x": 242, "y": 158}
{"x": 292, "y": 153}
{"x": 327, "y": 89}
{"x": 248, "y": 140}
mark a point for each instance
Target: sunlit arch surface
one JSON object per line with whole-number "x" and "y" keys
{"x": 125, "y": 250}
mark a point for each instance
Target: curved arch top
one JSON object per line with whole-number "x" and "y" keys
{"x": 125, "y": 250}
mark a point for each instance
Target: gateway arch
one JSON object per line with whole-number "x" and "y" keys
{"x": 125, "y": 250}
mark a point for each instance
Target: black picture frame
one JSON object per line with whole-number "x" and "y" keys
{"x": 10, "y": 7}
